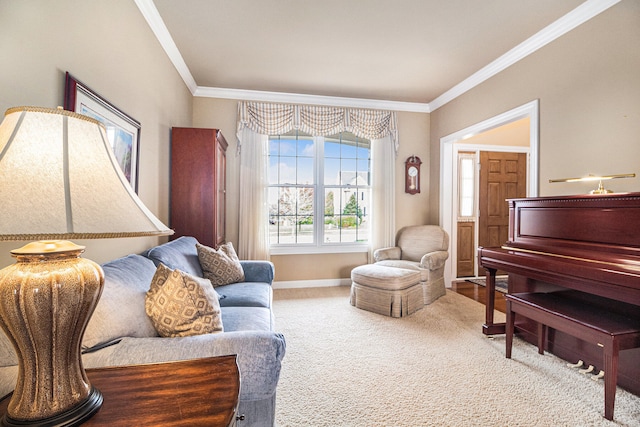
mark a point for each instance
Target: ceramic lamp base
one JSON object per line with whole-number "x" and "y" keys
{"x": 46, "y": 300}
{"x": 73, "y": 417}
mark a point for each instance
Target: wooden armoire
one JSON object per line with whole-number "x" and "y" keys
{"x": 198, "y": 184}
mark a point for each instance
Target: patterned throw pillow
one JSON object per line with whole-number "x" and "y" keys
{"x": 181, "y": 305}
{"x": 221, "y": 266}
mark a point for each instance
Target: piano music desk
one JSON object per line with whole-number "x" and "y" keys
{"x": 566, "y": 311}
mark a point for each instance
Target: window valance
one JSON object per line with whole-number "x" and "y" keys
{"x": 275, "y": 119}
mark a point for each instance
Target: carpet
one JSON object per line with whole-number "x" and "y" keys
{"x": 348, "y": 367}
{"x": 501, "y": 283}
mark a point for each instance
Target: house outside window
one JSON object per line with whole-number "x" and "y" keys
{"x": 319, "y": 196}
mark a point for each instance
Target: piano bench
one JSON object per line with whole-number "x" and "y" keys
{"x": 586, "y": 321}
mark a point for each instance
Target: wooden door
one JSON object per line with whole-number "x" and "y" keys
{"x": 466, "y": 239}
{"x": 502, "y": 176}
{"x": 467, "y": 213}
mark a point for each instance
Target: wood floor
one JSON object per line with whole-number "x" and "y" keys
{"x": 477, "y": 293}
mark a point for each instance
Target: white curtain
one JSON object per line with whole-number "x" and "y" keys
{"x": 253, "y": 237}
{"x": 383, "y": 233}
{"x": 258, "y": 120}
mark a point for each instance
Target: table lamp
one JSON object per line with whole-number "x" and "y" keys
{"x": 59, "y": 179}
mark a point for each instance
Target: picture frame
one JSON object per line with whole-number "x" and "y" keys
{"x": 123, "y": 131}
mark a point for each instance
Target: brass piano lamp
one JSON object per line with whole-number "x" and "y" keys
{"x": 591, "y": 177}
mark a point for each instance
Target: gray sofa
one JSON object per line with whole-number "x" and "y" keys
{"x": 120, "y": 332}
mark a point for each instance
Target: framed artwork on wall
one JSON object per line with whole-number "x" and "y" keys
{"x": 123, "y": 131}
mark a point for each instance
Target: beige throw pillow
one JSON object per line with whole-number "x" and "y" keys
{"x": 181, "y": 305}
{"x": 221, "y": 266}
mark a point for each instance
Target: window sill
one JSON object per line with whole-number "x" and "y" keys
{"x": 325, "y": 249}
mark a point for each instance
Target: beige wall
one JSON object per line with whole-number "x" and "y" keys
{"x": 588, "y": 84}
{"x": 511, "y": 134}
{"x": 109, "y": 47}
{"x": 413, "y": 129}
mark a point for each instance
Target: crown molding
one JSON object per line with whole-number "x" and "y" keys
{"x": 297, "y": 98}
{"x": 568, "y": 22}
{"x": 153, "y": 18}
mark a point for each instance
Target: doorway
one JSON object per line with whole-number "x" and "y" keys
{"x": 457, "y": 142}
{"x": 483, "y": 213}
{"x": 502, "y": 176}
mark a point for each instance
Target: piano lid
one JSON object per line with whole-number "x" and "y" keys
{"x": 585, "y": 226}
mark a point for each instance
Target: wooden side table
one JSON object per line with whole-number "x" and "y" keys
{"x": 189, "y": 393}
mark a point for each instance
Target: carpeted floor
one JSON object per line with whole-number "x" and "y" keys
{"x": 349, "y": 367}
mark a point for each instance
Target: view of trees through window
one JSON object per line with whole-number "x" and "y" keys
{"x": 329, "y": 172}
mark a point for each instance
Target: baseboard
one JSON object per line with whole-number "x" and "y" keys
{"x": 324, "y": 283}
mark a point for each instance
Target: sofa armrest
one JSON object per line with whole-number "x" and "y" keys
{"x": 434, "y": 260}
{"x": 258, "y": 271}
{"x": 260, "y": 354}
{"x": 387, "y": 253}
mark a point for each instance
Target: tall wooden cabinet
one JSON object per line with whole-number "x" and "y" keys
{"x": 198, "y": 184}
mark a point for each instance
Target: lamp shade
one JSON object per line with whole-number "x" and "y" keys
{"x": 59, "y": 179}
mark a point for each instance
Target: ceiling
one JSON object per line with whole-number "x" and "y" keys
{"x": 400, "y": 51}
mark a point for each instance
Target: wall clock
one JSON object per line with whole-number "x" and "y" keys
{"x": 412, "y": 175}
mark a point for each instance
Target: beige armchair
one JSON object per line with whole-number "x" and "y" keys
{"x": 420, "y": 247}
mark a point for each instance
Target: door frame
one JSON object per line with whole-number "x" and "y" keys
{"x": 449, "y": 146}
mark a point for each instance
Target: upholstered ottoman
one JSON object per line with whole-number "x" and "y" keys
{"x": 390, "y": 291}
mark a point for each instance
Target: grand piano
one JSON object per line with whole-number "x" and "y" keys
{"x": 586, "y": 243}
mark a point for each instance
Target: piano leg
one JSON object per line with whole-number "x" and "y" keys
{"x": 542, "y": 337}
{"x": 611, "y": 350}
{"x": 490, "y": 328}
{"x": 511, "y": 320}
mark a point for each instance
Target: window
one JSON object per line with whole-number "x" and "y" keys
{"x": 466, "y": 185}
{"x": 319, "y": 192}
